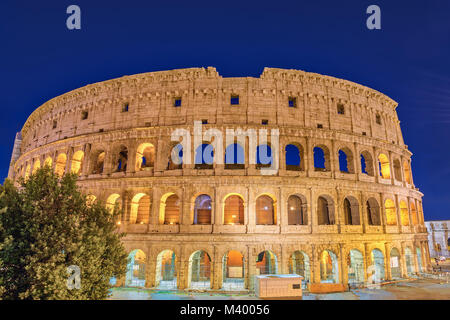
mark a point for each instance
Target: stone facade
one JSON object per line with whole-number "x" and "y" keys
{"x": 104, "y": 130}
{"x": 439, "y": 238}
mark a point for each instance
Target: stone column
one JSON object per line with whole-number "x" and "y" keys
{"x": 251, "y": 270}
{"x": 150, "y": 268}
{"x": 344, "y": 268}
{"x": 217, "y": 270}
{"x": 387, "y": 262}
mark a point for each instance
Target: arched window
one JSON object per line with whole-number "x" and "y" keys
{"x": 166, "y": 272}
{"x": 48, "y": 162}
{"x": 266, "y": 263}
{"x": 407, "y": 171}
{"x": 415, "y": 220}
{"x": 170, "y": 209}
{"x": 351, "y": 211}
{"x": 367, "y": 163}
{"x": 356, "y": 267}
{"x": 27, "y": 171}
{"x": 329, "y": 268}
{"x": 199, "y": 273}
{"x": 175, "y": 160}
{"x": 299, "y": 264}
{"x": 265, "y": 211}
{"x": 135, "y": 276}
{"x": 145, "y": 156}
{"x": 378, "y": 262}
{"x": 60, "y": 166}
{"x": 36, "y": 166}
{"x": 294, "y": 156}
{"x": 373, "y": 212}
{"x": 112, "y": 201}
{"x": 263, "y": 156}
{"x": 391, "y": 214}
{"x": 234, "y": 157}
{"x": 77, "y": 162}
{"x": 384, "y": 167}
{"x": 233, "y": 212}
{"x": 321, "y": 158}
{"x": 202, "y": 209}
{"x": 233, "y": 271}
{"x": 122, "y": 159}
{"x": 404, "y": 214}
{"x": 140, "y": 209}
{"x": 297, "y": 210}
{"x": 397, "y": 170}
{"x": 204, "y": 156}
{"x": 325, "y": 210}
{"x": 98, "y": 162}
{"x": 346, "y": 161}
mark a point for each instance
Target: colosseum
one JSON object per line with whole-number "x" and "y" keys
{"x": 341, "y": 206}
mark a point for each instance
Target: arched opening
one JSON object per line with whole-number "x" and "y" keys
{"x": 404, "y": 214}
{"x": 367, "y": 163}
{"x": 329, "y": 270}
{"x": 199, "y": 275}
{"x": 391, "y": 212}
{"x": 36, "y": 166}
{"x": 77, "y": 162}
{"x": 299, "y": 264}
{"x": 351, "y": 211}
{"x": 233, "y": 271}
{"x": 140, "y": 209}
{"x": 373, "y": 212}
{"x": 321, "y": 158}
{"x": 384, "y": 167}
{"x": 175, "y": 160}
{"x": 60, "y": 165}
{"x": 112, "y": 201}
{"x": 355, "y": 268}
{"x": 135, "y": 276}
{"x": 145, "y": 157}
{"x": 169, "y": 209}
{"x": 397, "y": 170}
{"x": 419, "y": 259}
{"x": 346, "y": 161}
{"x": 166, "y": 273}
{"x": 27, "y": 171}
{"x": 266, "y": 263}
{"x": 297, "y": 208}
{"x": 234, "y": 157}
{"x": 378, "y": 266}
{"x": 407, "y": 171}
{"x": 396, "y": 270}
{"x": 294, "y": 156}
{"x": 325, "y": 210}
{"x": 202, "y": 209}
{"x": 265, "y": 211}
{"x": 409, "y": 261}
{"x": 122, "y": 159}
{"x": 48, "y": 162}
{"x": 204, "y": 156}
{"x": 233, "y": 212}
{"x": 264, "y": 157}
{"x": 99, "y": 160}
{"x": 415, "y": 220}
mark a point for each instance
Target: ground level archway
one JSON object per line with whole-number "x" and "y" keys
{"x": 233, "y": 269}
{"x": 135, "y": 275}
{"x": 166, "y": 273}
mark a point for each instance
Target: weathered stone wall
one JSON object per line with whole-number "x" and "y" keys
{"x": 132, "y": 110}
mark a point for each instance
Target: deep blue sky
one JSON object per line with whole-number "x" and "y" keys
{"x": 408, "y": 59}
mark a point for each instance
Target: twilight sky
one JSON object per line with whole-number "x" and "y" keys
{"x": 408, "y": 59}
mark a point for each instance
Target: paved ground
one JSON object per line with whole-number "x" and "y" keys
{"x": 423, "y": 289}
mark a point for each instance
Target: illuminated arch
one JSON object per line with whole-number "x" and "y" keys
{"x": 166, "y": 271}
{"x": 48, "y": 162}
{"x": 329, "y": 269}
{"x": 233, "y": 271}
{"x": 404, "y": 214}
{"x": 169, "y": 209}
{"x": 266, "y": 263}
{"x": 145, "y": 156}
{"x": 233, "y": 209}
{"x": 60, "y": 165}
{"x": 36, "y": 166}
{"x": 77, "y": 162}
{"x": 199, "y": 270}
{"x": 391, "y": 212}
{"x": 135, "y": 275}
{"x": 111, "y": 201}
{"x": 384, "y": 166}
{"x": 265, "y": 210}
{"x": 140, "y": 208}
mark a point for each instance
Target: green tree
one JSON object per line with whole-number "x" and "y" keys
{"x": 47, "y": 225}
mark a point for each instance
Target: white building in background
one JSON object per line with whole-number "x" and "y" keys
{"x": 439, "y": 237}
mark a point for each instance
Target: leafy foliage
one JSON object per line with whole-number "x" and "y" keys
{"x": 47, "y": 225}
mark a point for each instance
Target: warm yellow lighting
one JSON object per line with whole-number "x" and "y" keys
{"x": 119, "y": 223}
